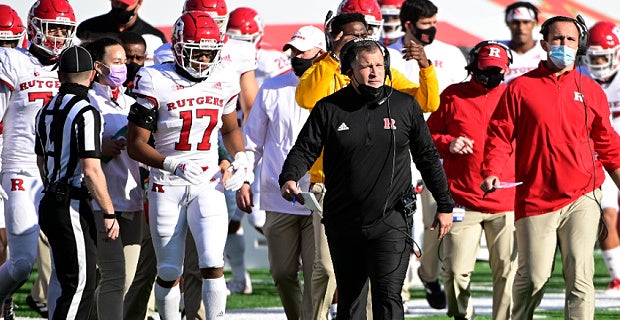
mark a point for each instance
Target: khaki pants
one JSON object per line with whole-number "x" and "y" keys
{"x": 429, "y": 261}
{"x": 323, "y": 277}
{"x": 44, "y": 270}
{"x": 289, "y": 238}
{"x": 574, "y": 229}
{"x": 461, "y": 246}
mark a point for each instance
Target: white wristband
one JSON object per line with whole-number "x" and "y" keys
{"x": 170, "y": 164}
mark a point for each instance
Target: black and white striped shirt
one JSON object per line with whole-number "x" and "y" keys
{"x": 68, "y": 129}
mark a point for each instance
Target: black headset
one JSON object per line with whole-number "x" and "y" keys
{"x": 582, "y": 41}
{"x": 349, "y": 52}
{"x": 473, "y": 54}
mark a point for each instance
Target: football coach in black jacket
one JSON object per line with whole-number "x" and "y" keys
{"x": 368, "y": 131}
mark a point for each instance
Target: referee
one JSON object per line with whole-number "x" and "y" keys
{"x": 68, "y": 146}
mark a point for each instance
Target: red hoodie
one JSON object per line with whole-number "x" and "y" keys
{"x": 465, "y": 110}
{"x": 560, "y": 148}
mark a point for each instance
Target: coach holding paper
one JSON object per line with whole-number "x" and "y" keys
{"x": 558, "y": 122}
{"x": 368, "y": 131}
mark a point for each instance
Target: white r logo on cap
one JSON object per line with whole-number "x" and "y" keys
{"x": 494, "y": 52}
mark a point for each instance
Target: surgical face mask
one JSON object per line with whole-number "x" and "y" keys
{"x": 117, "y": 75}
{"x": 123, "y": 16}
{"x": 562, "y": 56}
{"x": 426, "y": 36}
{"x": 489, "y": 78}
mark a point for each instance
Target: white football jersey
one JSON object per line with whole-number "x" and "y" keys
{"x": 612, "y": 90}
{"x": 241, "y": 55}
{"x": 31, "y": 85}
{"x": 524, "y": 63}
{"x": 163, "y": 54}
{"x": 189, "y": 114}
{"x": 448, "y": 60}
{"x": 271, "y": 63}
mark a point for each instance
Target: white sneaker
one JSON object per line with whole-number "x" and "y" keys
{"x": 614, "y": 288}
{"x": 240, "y": 286}
{"x": 333, "y": 311}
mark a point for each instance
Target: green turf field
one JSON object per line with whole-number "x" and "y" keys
{"x": 265, "y": 294}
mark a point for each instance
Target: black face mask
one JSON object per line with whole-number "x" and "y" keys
{"x": 370, "y": 94}
{"x": 426, "y": 36}
{"x": 122, "y": 16}
{"x": 132, "y": 69}
{"x": 489, "y": 78}
{"x": 300, "y": 65}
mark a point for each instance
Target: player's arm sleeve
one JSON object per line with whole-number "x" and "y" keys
{"x": 498, "y": 146}
{"x": 5, "y": 96}
{"x": 426, "y": 93}
{"x": 89, "y": 129}
{"x": 8, "y": 75}
{"x": 255, "y": 129}
{"x": 320, "y": 80}
{"x": 308, "y": 145}
{"x": 230, "y": 105}
{"x": 143, "y": 112}
{"x": 426, "y": 158}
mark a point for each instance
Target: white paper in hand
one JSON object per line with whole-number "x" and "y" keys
{"x": 310, "y": 201}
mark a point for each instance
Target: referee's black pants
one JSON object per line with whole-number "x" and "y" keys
{"x": 71, "y": 232}
{"x": 380, "y": 253}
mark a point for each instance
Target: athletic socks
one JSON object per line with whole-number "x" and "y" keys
{"x": 168, "y": 300}
{"x": 214, "y": 297}
{"x": 612, "y": 261}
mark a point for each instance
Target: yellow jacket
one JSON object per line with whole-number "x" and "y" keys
{"x": 324, "y": 78}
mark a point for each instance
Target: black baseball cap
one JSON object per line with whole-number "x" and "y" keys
{"x": 75, "y": 59}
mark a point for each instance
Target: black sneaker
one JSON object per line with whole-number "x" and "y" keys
{"x": 435, "y": 296}
{"x": 9, "y": 309}
{"x": 39, "y": 307}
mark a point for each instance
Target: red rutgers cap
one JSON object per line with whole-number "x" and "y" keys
{"x": 492, "y": 56}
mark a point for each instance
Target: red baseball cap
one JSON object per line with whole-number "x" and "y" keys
{"x": 492, "y": 56}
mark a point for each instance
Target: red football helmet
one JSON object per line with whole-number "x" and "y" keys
{"x": 245, "y": 24}
{"x": 215, "y": 8}
{"x": 51, "y": 24}
{"x": 11, "y": 27}
{"x": 390, "y": 11}
{"x": 603, "y": 45}
{"x": 196, "y": 34}
{"x": 371, "y": 11}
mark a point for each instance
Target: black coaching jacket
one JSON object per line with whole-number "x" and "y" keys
{"x": 362, "y": 167}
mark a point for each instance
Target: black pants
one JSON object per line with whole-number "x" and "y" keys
{"x": 70, "y": 229}
{"x": 379, "y": 253}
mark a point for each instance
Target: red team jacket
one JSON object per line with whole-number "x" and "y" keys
{"x": 560, "y": 149}
{"x": 465, "y": 110}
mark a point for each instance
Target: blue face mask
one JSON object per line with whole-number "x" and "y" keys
{"x": 562, "y": 56}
